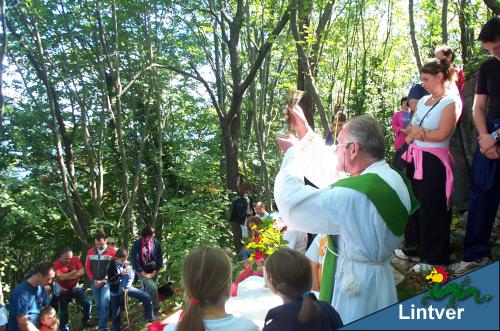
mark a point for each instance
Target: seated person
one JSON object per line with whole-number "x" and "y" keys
{"x": 48, "y": 319}
{"x": 121, "y": 277}
{"x": 289, "y": 275}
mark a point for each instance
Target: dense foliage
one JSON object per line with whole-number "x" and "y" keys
{"x": 121, "y": 114}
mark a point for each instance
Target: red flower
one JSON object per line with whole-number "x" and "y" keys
{"x": 256, "y": 240}
{"x": 259, "y": 255}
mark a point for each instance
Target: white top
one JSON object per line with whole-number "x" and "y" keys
{"x": 297, "y": 240}
{"x": 3, "y": 316}
{"x": 365, "y": 243}
{"x": 227, "y": 323}
{"x": 431, "y": 120}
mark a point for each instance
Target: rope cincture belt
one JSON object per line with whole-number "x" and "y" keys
{"x": 349, "y": 258}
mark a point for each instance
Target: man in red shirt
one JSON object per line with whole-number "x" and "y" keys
{"x": 68, "y": 270}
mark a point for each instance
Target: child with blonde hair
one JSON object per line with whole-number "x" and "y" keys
{"x": 289, "y": 275}
{"x": 206, "y": 276}
{"x": 48, "y": 319}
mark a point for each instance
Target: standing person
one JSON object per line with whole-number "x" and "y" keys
{"x": 96, "y": 267}
{"x": 206, "y": 277}
{"x": 239, "y": 211}
{"x": 455, "y": 87}
{"x": 338, "y": 121}
{"x": 417, "y": 92}
{"x": 485, "y": 189}
{"x": 427, "y": 235}
{"x": 399, "y": 122}
{"x": 367, "y": 211}
{"x": 28, "y": 299}
{"x": 456, "y": 84}
{"x": 69, "y": 270}
{"x": 316, "y": 255}
{"x": 121, "y": 277}
{"x": 147, "y": 260}
{"x": 260, "y": 210}
{"x": 289, "y": 275}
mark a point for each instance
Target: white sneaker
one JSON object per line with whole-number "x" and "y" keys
{"x": 399, "y": 253}
{"x": 422, "y": 268}
{"x": 462, "y": 267}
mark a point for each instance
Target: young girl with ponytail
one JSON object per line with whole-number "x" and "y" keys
{"x": 289, "y": 275}
{"x": 207, "y": 276}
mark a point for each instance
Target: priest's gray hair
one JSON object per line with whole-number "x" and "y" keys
{"x": 366, "y": 131}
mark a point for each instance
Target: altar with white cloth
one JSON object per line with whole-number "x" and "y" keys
{"x": 253, "y": 301}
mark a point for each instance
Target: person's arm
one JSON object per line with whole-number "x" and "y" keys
{"x": 486, "y": 141}
{"x": 315, "y": 284}
{"x": 159, "y": 256}
{"x": 395, "y": 122}
{"x": 446, "y": 125}
{"x": 24, "y": 324}
{"x": 136, "y": 256}
{"x": 302, "y": 207}
{"x": 113, "y": 275}
{"x": 127, "y": 279}
{"x": 88, "y": 267}
{"x": 412, "y": 103}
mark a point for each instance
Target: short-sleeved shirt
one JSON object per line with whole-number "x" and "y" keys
{"x": 228, "y": 322}
{"x": 3, "y": 316}
{"x": 488, "y": 82}
{"x": 26, "y": 300}
{"x": 428, "y": 118}
{"x": 73, "y": 264}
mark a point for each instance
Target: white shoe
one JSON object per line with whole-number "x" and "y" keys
{"x": 399, "y": 253}
{"x": 462, "y": 267}
{"x": 422, "y": 268}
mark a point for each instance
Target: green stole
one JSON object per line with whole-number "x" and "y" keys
{"x": 388, "y": 205}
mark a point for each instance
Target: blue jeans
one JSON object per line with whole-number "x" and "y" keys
{"x": 151, "y": 288}
{"x": 66, "y": 297}
{"x": 101, "y": 297}
{"x": 483, "y": 202}
{"x": 118, "y": 301}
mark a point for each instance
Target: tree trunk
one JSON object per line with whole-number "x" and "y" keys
{"x": 413, "y": 36}
{"x": 304, "y": 9}
{"x": 308, "y": 74}
{"x": 444, "y": 23}
{"x": 493, "y": 5}
{"x": 462, "y": 22}
{"x": 3, "y": 55}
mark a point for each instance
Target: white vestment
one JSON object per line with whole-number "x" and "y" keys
{"x": 365, "y": 243}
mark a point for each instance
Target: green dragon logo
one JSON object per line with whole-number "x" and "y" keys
{"x": 459, "y": 292}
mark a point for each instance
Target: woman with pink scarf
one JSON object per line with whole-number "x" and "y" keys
{"x": 427, "y": 236}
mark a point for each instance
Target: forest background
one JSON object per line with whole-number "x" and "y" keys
{"x": 119, "y": 113}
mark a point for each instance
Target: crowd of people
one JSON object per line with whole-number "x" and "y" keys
{"x": 110, "y": 274}
{"x": 343, "y": 191}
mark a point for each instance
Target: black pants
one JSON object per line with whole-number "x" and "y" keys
{"x": 237, "y": 236}
{"x": 427, "y": 233}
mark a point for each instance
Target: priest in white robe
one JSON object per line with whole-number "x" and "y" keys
{"x": 366, "y": 212}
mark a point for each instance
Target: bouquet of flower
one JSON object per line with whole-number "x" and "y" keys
{"x": 266, "y": 239}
